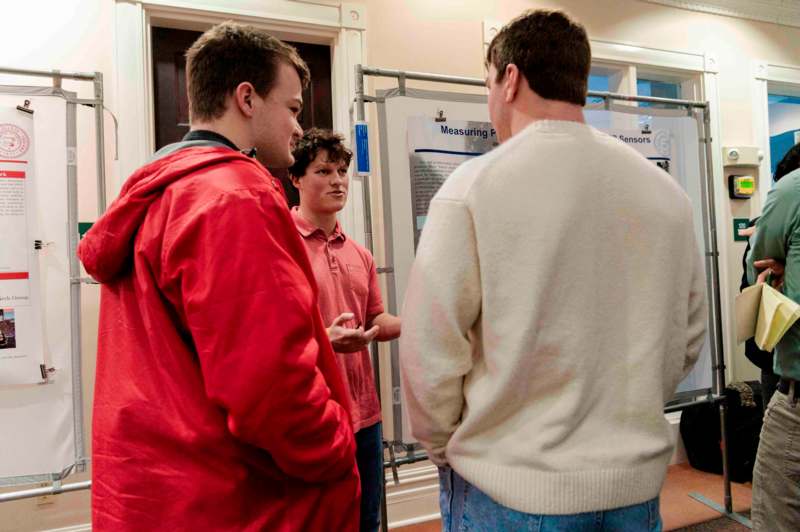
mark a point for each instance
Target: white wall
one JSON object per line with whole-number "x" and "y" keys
{"x": 68, "y": 35}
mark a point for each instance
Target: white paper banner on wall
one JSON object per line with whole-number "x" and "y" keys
{"x": 21, "y": 347}
{"x": 436, "y": 148}
{"x": 42, "y": 438}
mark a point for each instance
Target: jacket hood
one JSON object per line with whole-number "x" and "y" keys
{"x": 107, "y": 247}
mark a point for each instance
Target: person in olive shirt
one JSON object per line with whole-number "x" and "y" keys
{"x": 776, "y": 245}
{"x": 765, "y": 359}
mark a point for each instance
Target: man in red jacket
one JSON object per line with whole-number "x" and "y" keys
{"x": 229, "y": 414}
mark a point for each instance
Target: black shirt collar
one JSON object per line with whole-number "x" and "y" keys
{"x": 204, "y": 134}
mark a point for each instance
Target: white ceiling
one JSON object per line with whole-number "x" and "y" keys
{"x": 786, "y": 12}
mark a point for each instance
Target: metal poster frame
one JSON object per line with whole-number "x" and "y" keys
{"x": 699, "y": 110}
{"x": 75, "y": 279}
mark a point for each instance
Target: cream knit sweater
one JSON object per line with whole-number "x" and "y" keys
{"x": 556, "y": 300}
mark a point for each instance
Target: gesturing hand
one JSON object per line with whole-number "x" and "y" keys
{"x": 346, "y": 340}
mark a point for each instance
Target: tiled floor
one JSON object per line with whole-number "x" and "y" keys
{"x": 678, "y": 510}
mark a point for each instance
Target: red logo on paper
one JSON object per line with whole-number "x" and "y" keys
{"x": 14, "y": 142}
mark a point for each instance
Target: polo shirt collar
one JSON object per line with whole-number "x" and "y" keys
{"x": 306, "y": 228}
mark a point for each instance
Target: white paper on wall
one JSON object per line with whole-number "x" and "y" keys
{"x": 21, "y": 347}
{"x": 40, "y": 434}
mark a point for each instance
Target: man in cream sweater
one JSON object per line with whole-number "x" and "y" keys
{"x": 556, "y": 300}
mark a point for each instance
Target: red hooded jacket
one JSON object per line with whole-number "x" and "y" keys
{"x": 218, "y": 402}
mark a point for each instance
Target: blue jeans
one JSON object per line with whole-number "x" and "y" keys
{"x": 369, "y": 456}
{"x": 465, "y": 507}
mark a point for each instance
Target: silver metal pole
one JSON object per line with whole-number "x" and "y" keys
{"x": 726, "y": 478}
{"x": 712, "y": 261}
{"x": 101, "y": 152}
{"x": 716, "y": 305}
{"x": 75, "y": 282}
{"x": 83, "y": 76}
{"x": 367, "y": 214}
{"x": 39, "y": 492}
{"x": 478, "y": 82}
{"x": 420, "y": 76}
{"x": 367, "y": 204}
{"x": 715, "y": 325}
{"x": 368, "y": 242}
{"x": 649, "y": 99}
{"x": 360, "y": 92}
{"x": 360, "y": 113}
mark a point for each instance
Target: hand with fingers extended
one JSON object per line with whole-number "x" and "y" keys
{"x": 349, "y": 340}
{"x": 771, "y": 268}
{"x": 747, "y": 231}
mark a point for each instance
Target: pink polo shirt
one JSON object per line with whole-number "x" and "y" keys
{"x": 348, "y": 282}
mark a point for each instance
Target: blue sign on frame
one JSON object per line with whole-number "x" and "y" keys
{"x": 361, "y": 137}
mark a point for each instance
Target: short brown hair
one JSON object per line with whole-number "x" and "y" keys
{"x": 229, "y": 54}
{"x": 550, "y": 49}
{"x": 315, "y": 140}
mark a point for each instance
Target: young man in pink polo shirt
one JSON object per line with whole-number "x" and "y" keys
{"x": 349, "y": 297}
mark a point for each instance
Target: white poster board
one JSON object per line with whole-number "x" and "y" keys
{"x": 39, "y": 435}
{"x": 21, "y": 349}
{"x": 669, "y": 141}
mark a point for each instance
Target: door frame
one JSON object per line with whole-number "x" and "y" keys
{"x": 342, "y": 27}
{"x": 766, "y": 75}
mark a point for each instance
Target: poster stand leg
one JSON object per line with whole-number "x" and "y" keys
{"x": 727, "y": 509}
{"x": 715, "y": 328}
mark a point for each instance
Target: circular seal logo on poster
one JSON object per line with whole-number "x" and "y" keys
{"x": 14, "y": 142}
{"x": 662, "y": 143}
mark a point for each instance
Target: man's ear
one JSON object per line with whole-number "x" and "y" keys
{"x": 511, "y": 82}
{"x": 243, "y": 98}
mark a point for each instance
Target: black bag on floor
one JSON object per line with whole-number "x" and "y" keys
{"x": 700, "y": 431}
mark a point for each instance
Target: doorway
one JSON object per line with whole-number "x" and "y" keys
{"x": 783, "y": 104}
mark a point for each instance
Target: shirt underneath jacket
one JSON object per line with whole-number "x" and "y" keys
{"x": 348, "y": 282}
{"x": 555, "y": 302}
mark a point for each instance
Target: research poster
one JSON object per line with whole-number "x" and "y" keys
{"x": 436, "y": 148}
{"x": 21, "y": 346}
{"x": 655, "y": 145}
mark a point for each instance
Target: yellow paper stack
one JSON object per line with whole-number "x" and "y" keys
{"x": 765, "y": 313}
